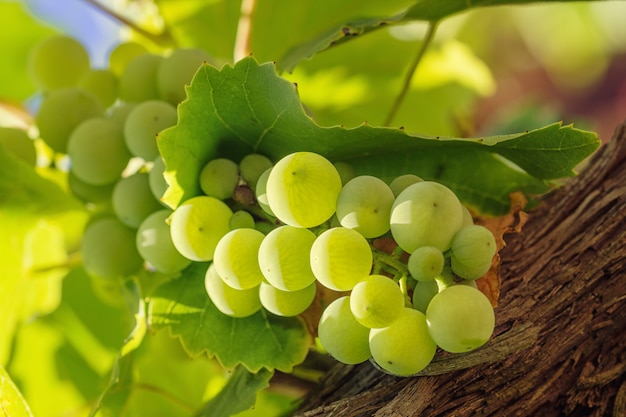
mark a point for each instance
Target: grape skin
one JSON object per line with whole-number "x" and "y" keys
{"x": 132, "y": 199}
{"x": 460, "y": 319}
{"x": 376, "y": 301}
{"x": 364, "y": 204}
{"x": 340, "y": 258}
{"x": 405, "y": 347}
{"x": 138, "y": 82}
{"x": 425, "y": 263}
{"x": 302, "y": 189}
{"x": 155, "y": 246}
{"x": 286, "y": 303}
{"x": 142, "y": 125}
{"x": 284, "y": 258}
{"x": 102, "y": 84}
{"x": 236, "y": 258}
{"x": 177, "y": 70}
{"x": 230, "y": 301}
{"x": 219, "y": 177}
{"x": 57, "y": 61}
{"x": 197, "y": 225}
{"x": 398, "y": 184}
{"x": 472, "y": 250}
{"x": 341, "y": 335}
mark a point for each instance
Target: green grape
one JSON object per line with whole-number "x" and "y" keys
{"x": 228, "y": 300}
{"x": 405, "y": 347}
{"x": 400, "y": 183}
{"x": 89, "y": 192}
{"x": 219, "y": 177}
{"x": 132, "y": 199}
{"x": 467, "y": 217}
{"x": 138, "y": 82}
{"x": 472, "y": 251}
{"x": 122, "y": 54}
{"x": 423, "y": 292}
{"x": 241, "y": 219}
{"x": 261, "y": 192}
{"x": 264, "y": 227}
{"x": 252, "y": 166}
{"x": 286, "y": 303}
{"x": 460, "y": 318}
{"x": 341, "y": 335}
{"x": 345, "y": 170}
{"x": 177, "y": 70}
{"x": 56, "y": 62}
{"x": 284, "y": 258}
{"x": 102, "y": 84}
{"x": 154, "y": 244}
{"x": 236, "y": 257}
{"x": 302, "y": 189}
{"x": 120, "y": 111}
{"x": 340, "y": 258}
{"x": 97, "y": 151}
{"x": 448, "y": 279}
{"x": 197, "y": 225}
{"x": 376, "y": 301}
{"x": 426, "y": 214}
{"x": 156, "y": 179}
{"x": 19, "y": 144}
{"x": 108, "y": 249}
{"x": 425, "y": 263}
{"x": 61, "y": 112}
{"x": 364, "y": 204}
{"x": 142, "y": 125}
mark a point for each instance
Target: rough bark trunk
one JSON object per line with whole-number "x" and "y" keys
{"x": 560, "y": 342}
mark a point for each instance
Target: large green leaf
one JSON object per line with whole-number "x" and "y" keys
{"x": 12, "y": 402}
{"x": 249, "y": 108}
{"x": 259, "y": 341}
{"x": 421, "y": 10}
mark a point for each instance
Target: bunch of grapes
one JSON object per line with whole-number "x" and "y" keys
{"x": 306, "y": 225}
{"x": 105, "y": 123}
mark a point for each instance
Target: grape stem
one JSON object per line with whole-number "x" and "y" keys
{"x": 163, "y": 38}
{"x": 244, "y": 30}
{"x": 381, "y": 259}
{"x": 430, "y": 35}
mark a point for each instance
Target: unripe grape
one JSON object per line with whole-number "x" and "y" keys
{"x": 405, "y": 347}
{"x": 17, "y": 143}
{"x": 261, "y": 192}
{"x": 228, "y": 300}
{"x": 158, "y": 185}
{"x": 133, "y": 201}
{"x": 284, "y": 258}
{"x": 398, "y": 184}
{"x": 177, "y": 70}
{"x": 426, "y": 214}
{"x": 425, "y": 263}
{"x": 154, "y": 243}
{"x": 376, "y": 301}
{"x": 56, "y": 62}
{"x": 423, "y": 292}
{"x": 61, "y": 112}
{"x": 460, "y": 319}
{"x": 341, "y": 335}
{"x": 142, "y": 125}
{"x": 97, "y": 151}
{"x": 340, "y": 258}
{"x": 108, "y": 249}
{"x": 219, "y": 177}
{"x": 89, "y": 192}
{"x": 236, "y": 258}
{"x": 302, "y": 189}
{"x": 197, "y": 225}
{"x": 102, "y": 84}
{"x": 122, "y": 54}
{"x": 472, "y": 250}
{"x": 241, "y": 219}
{"x": 286, "y": 303}
{"x": 252, "y": 166}
{"x": 364, "y": 204}
{"x": 138, "y": 82}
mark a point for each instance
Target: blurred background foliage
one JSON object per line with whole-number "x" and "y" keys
{"x": 490, "y": 71}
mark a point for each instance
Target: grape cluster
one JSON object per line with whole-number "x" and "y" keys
{"x": 309, "y": 225}
{"x": 105, "y": 123}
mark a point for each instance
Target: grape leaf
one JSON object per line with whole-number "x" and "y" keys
{"x": 421, "y": 10}
{"x": 259, "y": 341}
{"x": 12, "y": 403}
{"x": 239, "y": 394}
{"x": 249, "y": 108}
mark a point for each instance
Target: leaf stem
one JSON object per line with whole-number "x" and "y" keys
{"x": 163, "y": 38}
{"x": 244, "y": 30}
{"x": 430, "y": 35}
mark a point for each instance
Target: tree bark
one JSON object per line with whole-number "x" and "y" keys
{"x": 559, "y": 348}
